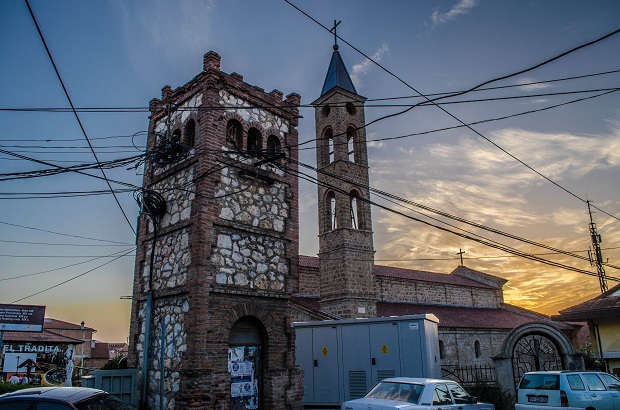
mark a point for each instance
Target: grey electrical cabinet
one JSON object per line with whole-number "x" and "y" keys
{"x": 343, "y": 359}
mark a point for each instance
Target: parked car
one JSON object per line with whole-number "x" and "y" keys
{"x": 61, "y": 398}
{"x": 549, "y": 390}
{"x": 406, "y": 393}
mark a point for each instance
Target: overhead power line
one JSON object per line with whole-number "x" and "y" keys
{"x": 77, "y": 117}
{"x": 65, "y": 169}
{"x": 63, "y": 234}
{"x": 433, "y": 101}
{"x": 343, "y": 103}
{"x": 73, "y": 278}
{"x": 121, "y": 253}
{"x": 464, "y": 234}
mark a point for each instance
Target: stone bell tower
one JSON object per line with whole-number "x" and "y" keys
{"x": 217, "y": 248}
{"x": 346, "y": 251}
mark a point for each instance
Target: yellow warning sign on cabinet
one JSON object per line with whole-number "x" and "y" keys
{"x": 384, "y": 349}
{"x": 324, "y": 351}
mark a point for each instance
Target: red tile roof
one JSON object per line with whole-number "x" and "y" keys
{"x": 308, "y": 261}
{"x": 312, "y": 304}
{"x": 38, "y": 337}
{"x": 50, "y": 323}
{"x": 505, "y": 317}
{"x": 402, "y": 273}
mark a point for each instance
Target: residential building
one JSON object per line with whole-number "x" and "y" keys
{"x": 602, "y": 315}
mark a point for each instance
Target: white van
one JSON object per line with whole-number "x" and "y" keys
{"x": 558, "y": 390}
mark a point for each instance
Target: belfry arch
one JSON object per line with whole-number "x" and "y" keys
{"x": 534, "y": 346}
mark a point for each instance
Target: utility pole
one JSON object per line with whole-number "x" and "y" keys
{"x": 598, "y": 254}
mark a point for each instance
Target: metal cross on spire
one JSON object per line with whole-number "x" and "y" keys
{"x": 335, "y": 35}
{"x": 460, "y": 253}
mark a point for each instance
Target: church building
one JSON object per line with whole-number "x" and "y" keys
{"x": 480, "y": 336}
{"x": 218, "y": 277}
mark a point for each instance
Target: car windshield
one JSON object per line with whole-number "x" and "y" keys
{"x": 406, "y": 392}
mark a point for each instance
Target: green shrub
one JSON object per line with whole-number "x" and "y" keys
{"x": 112, "y": 364}
{"x": 6, "y": 387}
{"x": 491, "y": 393}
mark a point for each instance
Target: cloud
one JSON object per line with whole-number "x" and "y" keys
{"x": 373, "y": 144}
{"x": 462, "y": 7}
{"x": 527, "y": 84}
{"x": 474, "y": 180}
{"x": 361, "y": 69}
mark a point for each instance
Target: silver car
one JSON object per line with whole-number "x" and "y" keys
{"x": 406, "y": 393}
{"x": 568, "y": 390}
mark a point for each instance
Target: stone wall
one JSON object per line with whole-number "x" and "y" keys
{"x": 406, "y": 290}
{"x": 168, "y": 314}
{"x": 245, "y": 201}
{"x": 172, "y": 259}
{"x": 254, "y": 261}
{"x": 459, "y": 346}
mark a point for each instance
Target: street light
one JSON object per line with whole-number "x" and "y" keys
{"x": 17, "y": 365}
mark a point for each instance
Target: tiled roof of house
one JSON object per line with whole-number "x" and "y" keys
{"x": 39, "y": 337}
{"x": 401, "y": 273}
{"x": 308, "y": 261}
{"x": 604, "y": 305}
{"x": 50, "y": 323}
{"x": 312, "y": 304}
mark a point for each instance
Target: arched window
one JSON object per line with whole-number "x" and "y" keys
{"x": 255, "y": 142}
{"x": 351, "y": 141}
{"x": 234, "y": 134}
{"x": 176, "y": 136}
{"x": 351, "y": 108}
{"x": 332, "y": 221}
{"x": 273, "y": 145}
{"x": 190, "y": 133}
{"x": 354, "y": 210}
{"x": 442, "y": 353}
{"x": 477, "y": 351}
{"x": 330, "y": 146}
{"x": 325, "y": 110}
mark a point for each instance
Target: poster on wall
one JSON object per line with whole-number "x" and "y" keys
{"x": 244, "y": 368}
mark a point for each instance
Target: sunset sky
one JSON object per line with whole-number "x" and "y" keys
{"x": 67, "y": 245}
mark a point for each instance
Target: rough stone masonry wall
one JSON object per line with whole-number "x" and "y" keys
{"x": 244, "y": 255}
{"x": 170, "y": 313}
{"x": 402, "y": 290}
{"x": 172, "y": 260}
{"x": 459, "y": 346}
{"x": 172, "y": 251}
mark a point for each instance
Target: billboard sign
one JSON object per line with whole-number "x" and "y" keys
{"x": 21, "y": 318}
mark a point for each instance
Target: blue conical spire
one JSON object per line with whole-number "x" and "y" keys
{"x": 337, "y": 75}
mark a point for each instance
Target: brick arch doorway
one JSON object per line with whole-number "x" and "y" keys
{"x": 245, "y": 364}
{"x": 538, "y": 344}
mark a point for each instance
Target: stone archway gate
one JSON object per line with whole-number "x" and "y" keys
{"x": 534, "y": 346}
